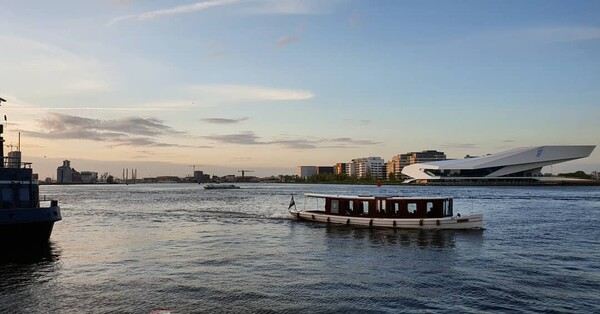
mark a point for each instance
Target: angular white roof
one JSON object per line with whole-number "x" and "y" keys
{"x": 510, "y": 161}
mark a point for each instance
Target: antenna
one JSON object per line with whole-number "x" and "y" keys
{"x": 2, "y": 138}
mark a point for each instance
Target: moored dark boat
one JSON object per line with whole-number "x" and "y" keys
{"x": 22, "y": 216}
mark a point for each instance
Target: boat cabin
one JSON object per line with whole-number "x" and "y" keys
{"x": 386, "y": 206}
{"x": 18, "y": 189}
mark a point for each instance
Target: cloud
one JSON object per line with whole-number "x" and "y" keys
{"x": 275, "y": 7}
{"x": 292, "y": 7}
{"x": 121, "y": 3}
{"x": 286, "y": 40}
{"x": 245, "y": 138}
{"x": 184, "y": 9}
{"x": 215, "y": 94}
{"x": 52, "y": 70}
{"x": 148, "y": 142}
{"x": 134, "y": 131}
{"x": 353, "y": 141}
{"x": 297, "y": 143}
{"x": 249, "y": 138}
{"x": 223, "y": 120}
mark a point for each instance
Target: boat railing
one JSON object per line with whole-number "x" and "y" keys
{"x": 15, "y": 162}
{"x": 27, "y": 204}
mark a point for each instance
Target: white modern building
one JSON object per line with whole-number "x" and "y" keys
{"x": 515, "y": 164}
{"x": 364, "y": 167}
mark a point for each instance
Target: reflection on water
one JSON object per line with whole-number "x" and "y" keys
{"x": 131, "y": 249}
{"x": 407, "y": 237}
{"x": 29, "y": 253}
{"x": 23, "y": 268}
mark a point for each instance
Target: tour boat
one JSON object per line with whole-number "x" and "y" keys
{"x": 22, "y": 218}
{"x": 386, "y": 211}
{"x": 220, "y": 186}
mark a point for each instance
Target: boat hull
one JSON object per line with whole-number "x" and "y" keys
{"x": 465, "y": 222}
{"x": 27, "y": 224}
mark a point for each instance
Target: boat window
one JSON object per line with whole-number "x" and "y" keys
{"x": 365, "y": 207}
{"x": 447, "y": 208}
{"x": 24, "y": 194}
{"x": 412, "y": 208}
{"x": 396, "y": 208}
{"x": 335, "y": 206}
{"x": 7, "y": 195}
{"x": 429, "y": 207}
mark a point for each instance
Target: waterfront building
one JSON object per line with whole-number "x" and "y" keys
{"x": 88, "y": 177}
{"x": 199, "y": 176}
{"x": 64, "y": 173}
{"x": 339, "y": 168}
{"x": 306, "y": 171}
{"x": 351, "y": 169}
{"x": 398, "y": 162}
{"x": 167, "y": 179}
{"x": 324, "y": 170}
{"x": 395, "y": 165}
{"x": 367, "y": 167}
{"x": 512, "y": 166}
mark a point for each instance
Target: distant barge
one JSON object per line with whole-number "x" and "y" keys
{"x": 220, "y": 187}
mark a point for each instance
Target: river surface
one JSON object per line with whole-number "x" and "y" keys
{"x": 178, "y": 247}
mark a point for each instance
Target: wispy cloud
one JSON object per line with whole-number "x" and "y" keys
{"x": 224, "y": 120}
{"x": 245, "y": 138}
{"x": 249, "y": 138}
{"x": 184, "y": 9}
{"x": 292, "y": 7}
{"x": 216, "y": 94}
{"x": 278, "y": 7}
{"x": 134, "y": 131}
{"x": 286, "y": 40}
{"x": 100, "y": 108}
{"x": 52, "y": 70}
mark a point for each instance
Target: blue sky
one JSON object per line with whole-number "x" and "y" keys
{"x": 270, "y": 85}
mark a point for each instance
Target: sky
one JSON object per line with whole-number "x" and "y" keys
{"x": 267, "y": 85}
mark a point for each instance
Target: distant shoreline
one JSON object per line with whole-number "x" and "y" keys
{"x": 383, "y": 183}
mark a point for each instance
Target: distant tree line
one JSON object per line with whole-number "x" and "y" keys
{"x": 344, "y": 178}
{"x": 578, "y": 175}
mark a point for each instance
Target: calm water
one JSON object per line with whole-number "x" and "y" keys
{"x": 136, "y": 248}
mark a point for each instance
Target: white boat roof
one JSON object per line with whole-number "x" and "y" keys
{"x": 372, "y": 197}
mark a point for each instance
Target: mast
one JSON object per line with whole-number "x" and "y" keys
{"x": 2, "y": 138}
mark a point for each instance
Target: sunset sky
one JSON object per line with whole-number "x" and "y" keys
{"x": 268, "y": 85}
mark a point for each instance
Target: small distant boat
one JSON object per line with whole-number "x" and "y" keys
{"x": 387, "y": 211}
{"x": 220, "y": 186}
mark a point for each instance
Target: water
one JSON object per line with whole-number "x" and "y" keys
{"x": 138, "y": 248}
